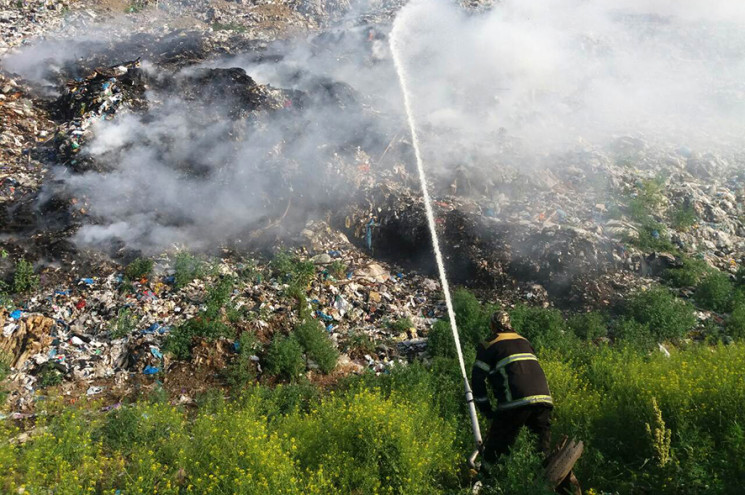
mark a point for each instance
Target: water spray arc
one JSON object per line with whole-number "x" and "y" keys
{"x": 396, "y": 54}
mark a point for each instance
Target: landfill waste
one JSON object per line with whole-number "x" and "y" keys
{"x": 564, "y": 231}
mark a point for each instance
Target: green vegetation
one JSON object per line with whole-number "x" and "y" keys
{"x": 318, "y": 347}
{"x": 338, "y": 269}
{"x": 543, "y": 327}
{"x": 292, "y": 269}
{"x": 472, "y": 319}
{"x": 230, "y": 26}
{"x": 666, "y": 316}
{"x": 24, "y": 279}
{"x": 187, "y": 267}
{"x": 689, "y": 274}
{"x": 49, "y": 377}
{"x": 402, "y": 325}
{"x": 138, "y": 269}
{"x": 643, "y": 208}
{"x": 284, "y": 357}
{"x": 207, "y": 324}
{"x": 242, "y": 370}
{"x": 124, "y": 324}
{"x": 651, "y": 424}
{"x": 715, "y": 292}
{"x": 588, "y": 326}
{"x": 683, "y": 217}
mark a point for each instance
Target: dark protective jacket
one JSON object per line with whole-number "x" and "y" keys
{"x": 509, "y": 364}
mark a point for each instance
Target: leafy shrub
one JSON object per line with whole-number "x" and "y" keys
{"x": 138, "y": 269}
{"x": 667, "y": 316}
{"x": 243, "y": 370}
{"x": 338, "y": 269}
{"x": 359, "y": 344}
{"x": 628, "y": 331}
{"x": 472, "y": 319}
{"x": 543, "y": 327}
{"x": 48, "y": 377}
{"x": 736, "y": 322}
{"x": 124, "y": 324}
{"x": 24, "y": 279}
{"x": 588, "y": 326}
{"x": 208, "y": 323}
{"x": 402, "y": 325}
{"x": 683, "y": 217}
{"x": 318, "y": 347}
{"x": 187, "y": 267}
{"x": 521, "y": 472}
{"x": 285, "y": 357}
{"x": 715, "y": 292}
{"x": 292, "y": 268}
{"x": 688, "y": 275}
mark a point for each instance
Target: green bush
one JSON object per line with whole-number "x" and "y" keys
{"x": 736, "y": 322}
{"x": 338, "y": 269}
{"x": 318, "y": 346}
{"x": 242, "y": 370}
{"x": 683, "y": 217}
{"x": 588, "y": 326}
{"x": 543, "y": 327}
{"x": 124, "y": 324}
{"x": 24, "y": 279}
{"x": 292, "y": 268}
{"x": 689, "y": 274}
{"x": 715, "y": 292}
{"x": 472, "y": 319}
{"x": 521, "y": 472}
{"x": 628, "y": 331}
{"x": 138, "y": 269}
{"x": 284, "y": 357}
{"x": 667, "y": 316}
{"x": 207, "y": 324}
{"x": 359, "y": 344}
{"x": 187, "y": 267}
{"x": 402, "y": 325}
{"x": 48, "y": 377}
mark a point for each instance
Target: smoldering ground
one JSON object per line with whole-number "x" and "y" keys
{"x": 516, "y": 85}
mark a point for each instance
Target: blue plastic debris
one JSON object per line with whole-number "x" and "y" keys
{"x": 150, "y": 370}
{"x": 62, "y": 293}
{"x": 330, "y": 328}
{"x": 151, "y": 329}
{"x": 88, "y": 281}
{"x": 169, "y": 280}
{"x": 156, "y": 352}
{"x": 656, "y": 234}
{"x": 237, "y": 346}
{"x": 16, "y": 315}
{"x": 368, "y": 233}
{"x": 324, "y": 316}
{"x": 335, "y": 254}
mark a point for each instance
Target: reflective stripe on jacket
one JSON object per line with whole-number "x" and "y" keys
{"x": 509, "y": 364}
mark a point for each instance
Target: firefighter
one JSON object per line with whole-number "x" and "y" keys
{"x": 508, "y": 363}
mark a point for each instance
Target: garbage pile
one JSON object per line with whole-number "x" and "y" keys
{"x": 107, "y": 335}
